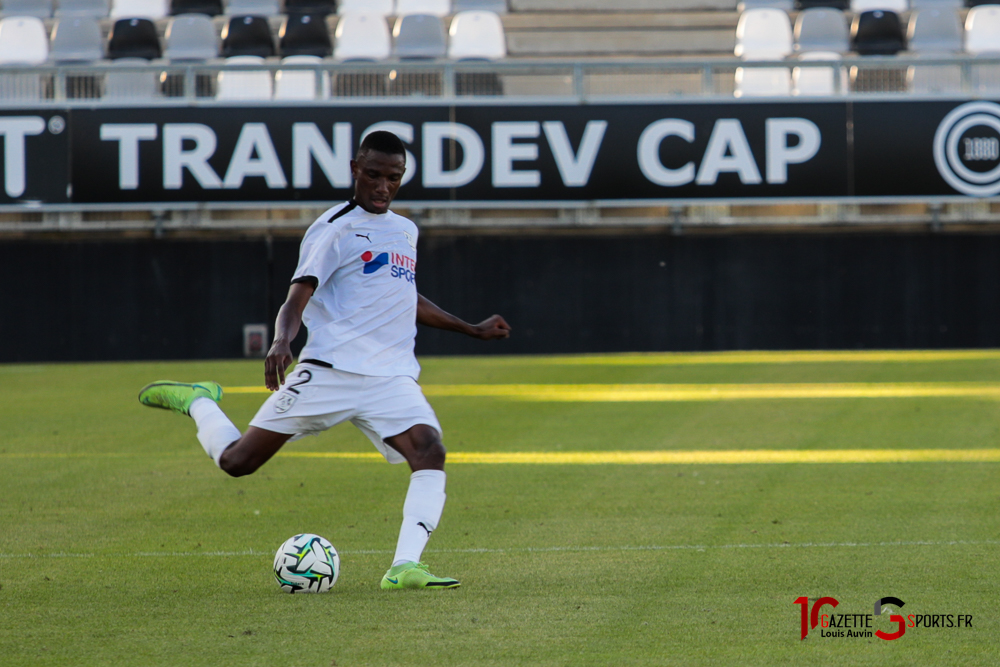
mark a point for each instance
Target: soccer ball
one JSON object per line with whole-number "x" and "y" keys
{"x": 306, "y": 563}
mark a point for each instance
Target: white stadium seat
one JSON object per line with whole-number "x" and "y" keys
{"x": 381, "y": 7}
{"x": 95, "y": 9}
{"x": 982, "y": 30}
{"x": 133, "y": 85}
{"x": 433, "y": 7}
{"x": 300, "y": 85}
{"x": 898, "y": 6}
{"x": 816, "y": 81}
{"x": 23, "y": 41}
{"x": 477, "y": 35}
{"x": 362, "y": 37}
{"x": 763, "y": 34}
{"x": 982, "y": 37}
{"x": 247, "y": 85}
{"x": 140, "y": 9}
{"x": 763, "y": 82}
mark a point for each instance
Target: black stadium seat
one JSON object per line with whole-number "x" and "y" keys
{"x": 247, "y": 36}
{"x": 314, "y": 7}
{"x": 134, "y": 38}
{"x": 305, "y": 35}
{"x": 877, "y": 33}
{"x": 207, "y": 7}
{"x": 842, "y": 5}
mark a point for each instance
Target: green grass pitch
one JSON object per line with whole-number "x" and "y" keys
{"x": 121, "y": 543}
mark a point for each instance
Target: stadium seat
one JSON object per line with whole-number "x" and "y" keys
{"x": 934, "y": 31}
{"x": 982, "y": 38}
{"x": 247, "y": 85}
{"x": 477, "y": 35}
{"x": 191, "y": 37}
{"x": 821, "y": 29}
{"x": 252, "y": 8}
{"x": 897, "y": 6}
{"x": 23, "y": 41}
{"x": 495, "y": 6}
{"x": 131, "y": 85}
{"x": 39, "y": 9}
{"x": 207, "y": 7}
{"x": 842, "y": 5}
{"x": 305, "y": 35}
{"x": 439, "y": 8}
{"x": 816, "y": 81}
{"x": 763, "y": 82}
{"x": 311, "y": 7}
{"x": 381, "y": 7}
{"x": 420, "y": 36}
{"x": 763, "y": 34}
{"x": 783, "y": 5}
{"x": 134, "y": 38}
{"x": 76, "y": 39}
{"x": 247, "y": 36}
{"x": 877, "y": 33}
{"x": 982, "y": 30}
{"x": 145, "y": 9}
{"x": 95, "y": 9}
{"x": 300, "y": 85}
{"x": 955, "y": 5}
{"x": 935, "y": 79}
{"x": 362, "y": 37}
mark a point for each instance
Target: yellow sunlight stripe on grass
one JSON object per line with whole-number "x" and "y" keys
{"x": 700, "y": 457}
{"x": 599, "y": 393}
{"x": 714, "y": 392}
{"x": 639, "y": 457}
{"x": 762, "y": 357}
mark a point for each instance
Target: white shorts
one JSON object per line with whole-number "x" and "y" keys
{"x": 314, "y": 398}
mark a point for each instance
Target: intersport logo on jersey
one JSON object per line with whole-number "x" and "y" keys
{"x": 400, "y": 266}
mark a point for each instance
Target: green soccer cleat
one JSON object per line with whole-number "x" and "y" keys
{"x": 178, "y": 396}
{"x": 414, "y": 575}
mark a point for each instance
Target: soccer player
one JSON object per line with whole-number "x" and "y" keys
{"x": 355, "y": 290}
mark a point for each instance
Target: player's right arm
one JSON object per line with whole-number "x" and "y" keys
{"x": 319, "y": 256}
{"x": 286, "y": 328}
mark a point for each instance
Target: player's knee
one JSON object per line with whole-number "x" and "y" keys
{"x": 235, "y": 465}
{"x": 430, "y": 454}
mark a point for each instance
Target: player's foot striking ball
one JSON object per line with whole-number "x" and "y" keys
{"x": 414, "y": 575}
{"x": 355, "y": 289}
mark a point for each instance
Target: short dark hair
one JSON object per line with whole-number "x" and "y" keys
{"x": 382, "y": 142}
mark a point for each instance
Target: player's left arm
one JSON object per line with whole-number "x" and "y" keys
{"x": 430, "y": 315}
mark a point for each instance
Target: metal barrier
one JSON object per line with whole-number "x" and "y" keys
{"x": 171, "y": 82}
{"x": 123, "y": 84}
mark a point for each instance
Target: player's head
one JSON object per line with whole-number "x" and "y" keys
{"x": 378, "y": 171}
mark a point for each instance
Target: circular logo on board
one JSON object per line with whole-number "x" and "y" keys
{"x": 967, "y": 149}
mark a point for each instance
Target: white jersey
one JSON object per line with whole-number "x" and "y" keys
{"x": 362, "y": 318}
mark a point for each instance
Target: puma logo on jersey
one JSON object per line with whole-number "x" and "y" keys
{"x": 365, "y": 236}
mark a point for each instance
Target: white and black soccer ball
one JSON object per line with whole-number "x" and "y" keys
{"x": 306, "y": 563}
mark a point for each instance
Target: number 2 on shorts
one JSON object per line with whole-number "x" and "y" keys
{"x": 304, "y": 373}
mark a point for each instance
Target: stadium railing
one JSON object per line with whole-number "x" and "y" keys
{"x": 674, "y": 80}
{"x": 662, "y": 79}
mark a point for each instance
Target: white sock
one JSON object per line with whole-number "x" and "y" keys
{"x": 421, "y": 514}
{"x": 215, "y": 431}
